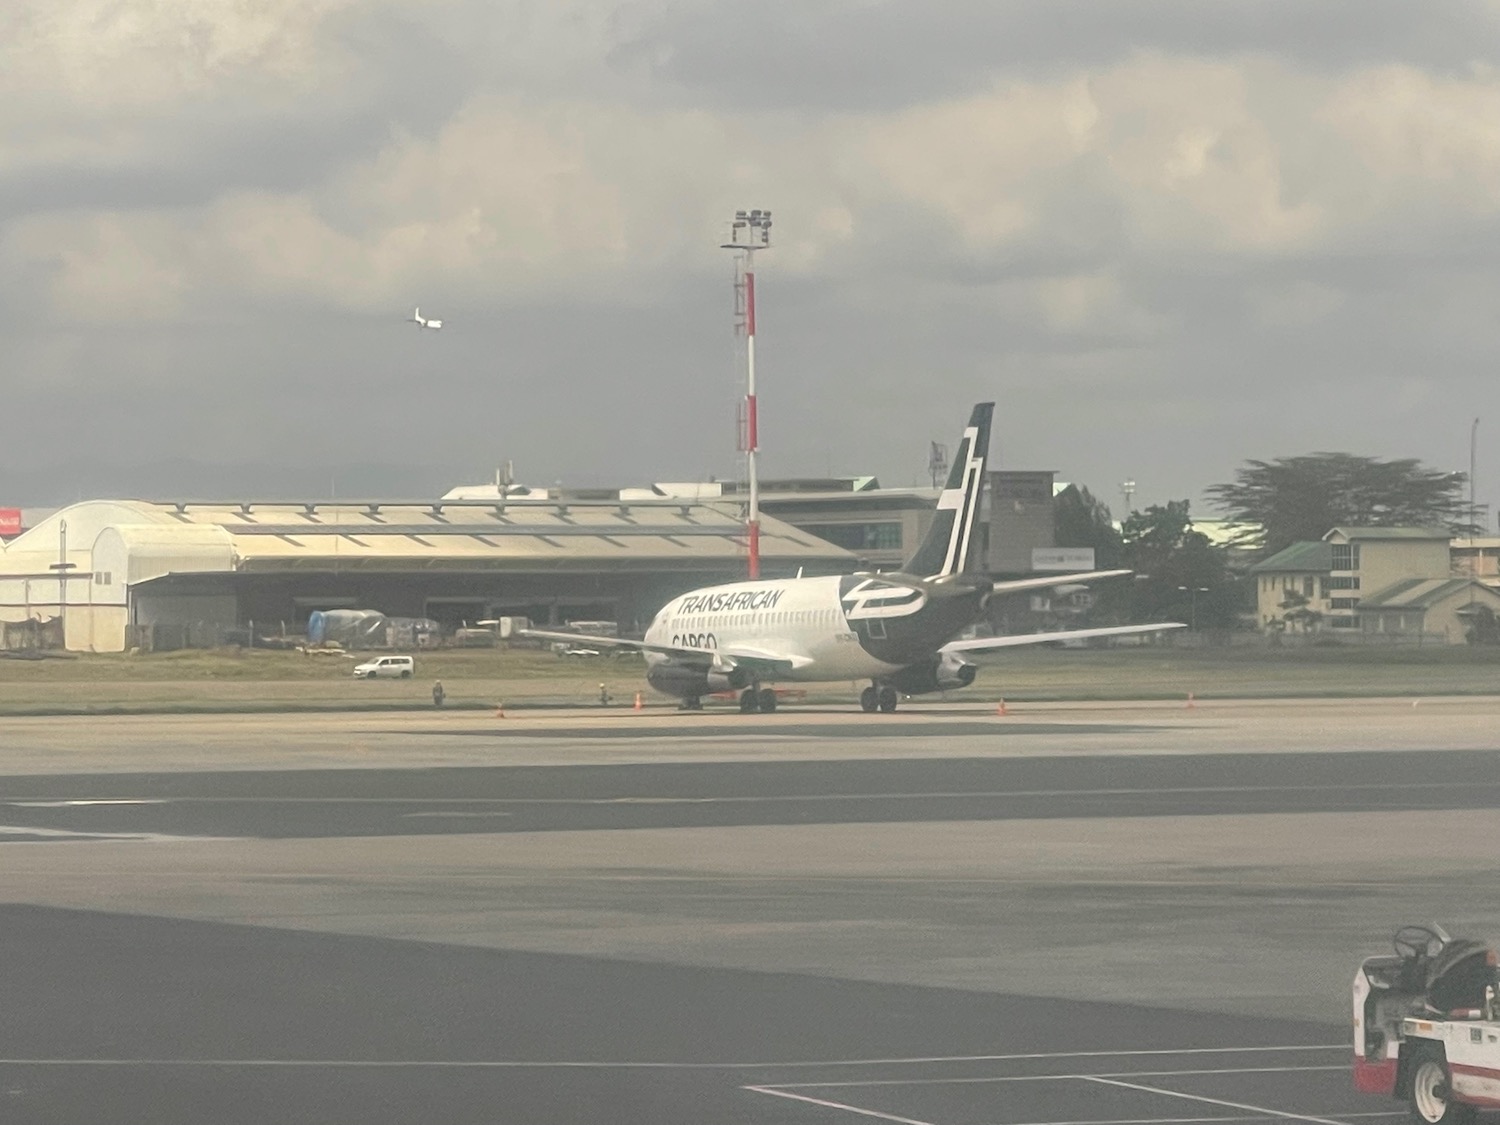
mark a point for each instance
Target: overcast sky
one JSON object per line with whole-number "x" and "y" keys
{"x": 1165, "y": 235}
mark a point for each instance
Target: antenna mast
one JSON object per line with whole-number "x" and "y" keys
{"x": 749, "y": 231}
{"x": 937, "y": 463}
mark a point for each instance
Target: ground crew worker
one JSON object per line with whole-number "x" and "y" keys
{"x": 603, "y": 696}
{"x": 437, "y": 693}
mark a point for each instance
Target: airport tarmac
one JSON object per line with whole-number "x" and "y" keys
{"x": 1071, "y": 913}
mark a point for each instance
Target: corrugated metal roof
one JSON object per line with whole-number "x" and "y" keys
{"x": 1302, "y": 557}
{"x": 470, "y": 533}
{"x": 1388, "y": 532}
{"x": 1418, "y": 593}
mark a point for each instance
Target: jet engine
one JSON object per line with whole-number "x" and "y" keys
{"x": 939, "y": 673}
{"x": 689, "y": 681}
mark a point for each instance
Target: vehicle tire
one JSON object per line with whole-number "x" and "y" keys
{"x": 749, "y": 702}
{"x": 1431, "y": 1093}
{"x": 767, "y": 700}
{"x": 869, "y": 700}
{"x": 888, "y": 700}
{"x": 406, "y": 675}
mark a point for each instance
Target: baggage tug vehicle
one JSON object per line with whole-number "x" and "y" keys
{"x": 1426, "y": 1027}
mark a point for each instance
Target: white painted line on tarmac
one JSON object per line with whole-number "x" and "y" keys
{"x": 564, "y": 1064}
{"x": 88, "y": 801}
{"x": 1190, "y": 1120}
{"x": 775, "y": 1093}
{"x": 133, "y": 837}
{"x": 936, "y": 795}
{"x": 1258, "y": 1109}
{"x": 996, "y": 1078}
{"x": 456, "y": 814}
{"x": 1150, "y": 1120}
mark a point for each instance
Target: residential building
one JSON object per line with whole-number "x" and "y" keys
{"x": 1385, "y": 581}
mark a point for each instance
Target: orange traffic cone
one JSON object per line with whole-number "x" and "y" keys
{"x": 639, "y": 703}
{"x": 1000, "y": 710}
{"x": 500, "y": 711}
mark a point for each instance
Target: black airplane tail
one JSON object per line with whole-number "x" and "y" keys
{"x": 949, "y": 547}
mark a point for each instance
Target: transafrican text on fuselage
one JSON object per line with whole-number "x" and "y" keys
{"x": 731, "y": 603}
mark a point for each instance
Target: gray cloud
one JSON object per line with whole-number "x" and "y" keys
{"x": 840, "y": 55}
{"x": 1164, "y": 236}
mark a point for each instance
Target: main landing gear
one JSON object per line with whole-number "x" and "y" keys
{"x": 755, "y": 699}
{"x": 878, "y": 698}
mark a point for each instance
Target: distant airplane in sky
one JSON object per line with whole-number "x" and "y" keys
{"x": 416, "y": 316}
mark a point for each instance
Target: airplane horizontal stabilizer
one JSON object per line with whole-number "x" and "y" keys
{"x": 981, "y": 644}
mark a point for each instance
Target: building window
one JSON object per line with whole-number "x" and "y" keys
{"x": 859, "y": 536}
{"x": 1343, "y": 622}
{"x": 1343, "y": 603}
{"x": 1340, "y": 582}
{"x": 1307, "y": 586}
{"x": 1346, "y": 556}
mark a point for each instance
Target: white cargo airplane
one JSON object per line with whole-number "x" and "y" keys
{"x": 894, "y": 629}
{"x": 418, "y": 320}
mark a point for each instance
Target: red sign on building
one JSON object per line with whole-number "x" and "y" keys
{"x": 10, "y": 521}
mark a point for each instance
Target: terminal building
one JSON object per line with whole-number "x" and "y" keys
{"x": 110, "y": 575}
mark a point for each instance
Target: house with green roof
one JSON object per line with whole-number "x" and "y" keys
{"x": 1371, "y": 580}
{"x": 1293, "y": 581}
{"x": 1431, "y": 607}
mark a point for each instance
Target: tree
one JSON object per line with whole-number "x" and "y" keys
{"x": 1079, "y": 519}
{"x": 1483, "y": 628}
{"x": 1296, "y": 610}
{"x": 1180, "y": 574}
{"x": 1299, "y": 498}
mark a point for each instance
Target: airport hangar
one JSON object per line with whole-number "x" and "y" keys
{"x": 116, "y": 573}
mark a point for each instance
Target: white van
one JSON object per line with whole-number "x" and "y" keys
{"x": 401, "y": 667}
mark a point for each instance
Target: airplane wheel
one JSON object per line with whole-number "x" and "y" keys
{"x": 868, "y": 700}
{"x": 767, "y": 700}
{"x": 749, "y": 701}
{"x": 888, "y": 700}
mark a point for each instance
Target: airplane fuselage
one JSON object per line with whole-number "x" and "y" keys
{"x": 843, "y": 627}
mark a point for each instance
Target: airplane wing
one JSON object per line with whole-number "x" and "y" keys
{"x": 778, "y": 661}
{"x": 703, "y": 654}
{"x": 731, "y": 655}
{"x": 947, "y": 585}
{"x": 1056, "y": 580}
{"x": 980, "y": 644}
{"x": 963, "y": 583}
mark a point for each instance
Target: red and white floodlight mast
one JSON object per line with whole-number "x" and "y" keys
{"x": 748, "y": 232}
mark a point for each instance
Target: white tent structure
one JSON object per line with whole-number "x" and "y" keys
{"x": 112, "y": 568}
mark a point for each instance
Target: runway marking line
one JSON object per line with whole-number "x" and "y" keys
{"x": 1282, "y": 1114}
{"x": 824, "y": 1104}
{"x": 1048, "y": 1077}
{"x": 1114, "y": 1079}
{"x": 542, "y": 1064}
{"x": 1180, "y": 791}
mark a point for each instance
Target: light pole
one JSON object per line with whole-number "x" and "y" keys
{"x": 62, "y": 566}
{"x": 749, "y": 231}
{"x": 1192, "y": 593}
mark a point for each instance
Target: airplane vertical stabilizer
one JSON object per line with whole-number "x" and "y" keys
{"x": 949, "y": 546}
